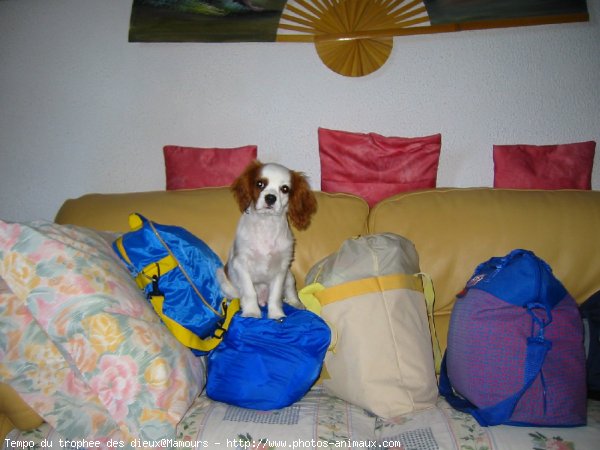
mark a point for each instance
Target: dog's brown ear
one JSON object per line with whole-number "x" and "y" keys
{"x": 244, "y": 186}
{"x": 303, "y": 203}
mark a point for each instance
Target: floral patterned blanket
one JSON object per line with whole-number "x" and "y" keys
{"x": 322, "y": 421}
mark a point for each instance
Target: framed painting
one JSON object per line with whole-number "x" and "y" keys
{"x": 338, "y": 28}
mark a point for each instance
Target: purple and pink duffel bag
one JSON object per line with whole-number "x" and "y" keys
{"x": 515, "y": 352}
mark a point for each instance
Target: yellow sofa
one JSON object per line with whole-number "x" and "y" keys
{"x": 452, "y": 229}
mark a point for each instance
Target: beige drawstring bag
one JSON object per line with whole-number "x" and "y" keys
{"x": 371, "y": 294}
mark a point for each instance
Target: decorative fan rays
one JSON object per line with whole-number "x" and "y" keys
{"x": 352, "y": 37}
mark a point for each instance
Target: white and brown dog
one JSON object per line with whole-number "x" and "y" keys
{"x": 258, "y": 268}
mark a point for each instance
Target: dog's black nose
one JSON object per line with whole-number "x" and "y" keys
{"x": 270, "y": 199}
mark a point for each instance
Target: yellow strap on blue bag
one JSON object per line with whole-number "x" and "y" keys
{"x": 152, "y": 272}
{"x": 185, "y": 336}
{"x": 161, "y": 267}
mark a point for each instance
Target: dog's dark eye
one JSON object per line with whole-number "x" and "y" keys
{"x": 260, "y": 184}
{"x": 285, "y": 189}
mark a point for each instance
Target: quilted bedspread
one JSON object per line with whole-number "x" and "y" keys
{"x": 322, "y": 421}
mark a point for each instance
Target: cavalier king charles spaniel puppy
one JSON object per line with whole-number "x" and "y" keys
{"x": 258, "y": 268}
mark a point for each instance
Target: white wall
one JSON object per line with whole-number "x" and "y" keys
{"x": 82, "y": 110}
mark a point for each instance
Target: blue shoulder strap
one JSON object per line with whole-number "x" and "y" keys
{"x": 500, "y": 413}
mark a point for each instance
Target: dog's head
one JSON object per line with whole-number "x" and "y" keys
{"x": 277, "y": 190}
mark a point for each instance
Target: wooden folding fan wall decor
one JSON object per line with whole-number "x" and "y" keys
{"x": 352, "y": 37}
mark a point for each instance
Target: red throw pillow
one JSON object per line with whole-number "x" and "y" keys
{"x": 375, "y": 167}
{"x": 566, "y": 166}
{"x": 193, "y": 167}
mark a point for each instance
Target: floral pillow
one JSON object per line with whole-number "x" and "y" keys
{"x": 562, "y": 166}
{"x": 36, "y": 369}
{"x": 375, "y": 167}
{"x": 109, "y": 354}
{"x": 193, "y": 167}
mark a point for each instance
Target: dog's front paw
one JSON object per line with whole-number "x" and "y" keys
{"x": 250, "y": 308}
{"x": 252, "y": 313}
{"x": 276, "y": 313}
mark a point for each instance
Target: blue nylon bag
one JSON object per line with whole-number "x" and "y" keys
{"x": 177, "y": 271}
{"x": 268, "y": 364}
{"x": 515, "y": 351}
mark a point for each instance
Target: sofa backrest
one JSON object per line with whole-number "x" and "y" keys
{"x": 212, "y": 215}
{"x": 452, "y": 229}
{"x": 456, "y": 229}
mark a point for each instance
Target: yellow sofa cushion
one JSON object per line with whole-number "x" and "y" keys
{"x": 212, "y": 215}
{"x": 456, "y": 229}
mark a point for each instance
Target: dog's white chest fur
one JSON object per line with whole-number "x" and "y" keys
{"x": 264, "y": 247}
